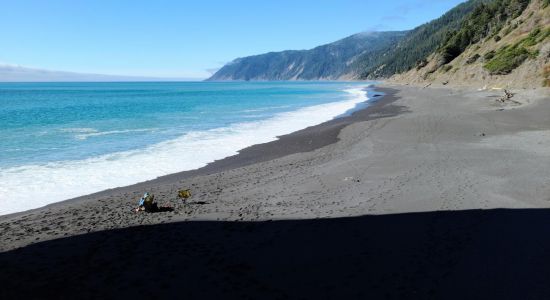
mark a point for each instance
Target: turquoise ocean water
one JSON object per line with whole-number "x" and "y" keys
{"x": 62, "y": 140}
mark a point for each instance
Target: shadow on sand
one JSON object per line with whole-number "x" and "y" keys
{"x": 496, "y": 254}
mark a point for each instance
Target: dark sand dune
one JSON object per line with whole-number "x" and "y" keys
{"x": 474, "y": 254}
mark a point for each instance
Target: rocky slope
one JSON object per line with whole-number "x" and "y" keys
{"x": 511, "y": 50}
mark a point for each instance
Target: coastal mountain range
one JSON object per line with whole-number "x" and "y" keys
{"x": 337, "y": 60}
{"x": 490, "y": 42}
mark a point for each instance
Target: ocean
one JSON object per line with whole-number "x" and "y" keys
{"x": 63, "y": 140}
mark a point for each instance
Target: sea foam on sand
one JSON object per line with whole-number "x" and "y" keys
{"x": 33, "y": 186}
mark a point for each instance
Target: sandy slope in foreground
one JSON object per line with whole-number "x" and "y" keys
{"x": 445, "y": 150}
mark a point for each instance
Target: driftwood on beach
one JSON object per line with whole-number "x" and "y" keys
{"x": 507, "y": 97}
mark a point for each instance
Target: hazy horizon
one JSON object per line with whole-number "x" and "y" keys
{"x": 15, "y": 73}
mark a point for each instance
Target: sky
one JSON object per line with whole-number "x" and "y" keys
{"x": 186, "y": 39}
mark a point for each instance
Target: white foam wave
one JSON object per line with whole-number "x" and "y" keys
{"x": 83, "y": 136}
{"x": 79, "y": 130}
{"x": 32, "y": 186}
{"x": 264, "y": 108}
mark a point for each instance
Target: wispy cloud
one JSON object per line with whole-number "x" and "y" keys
{"x": 402, "y": 13}
{"x": 393, "y": 18}
{"x": 379, "y": 27}
{"x": 212, "y": 70}
{"x": 408, "y": 7}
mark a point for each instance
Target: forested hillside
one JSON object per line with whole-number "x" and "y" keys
{"x": 486, "y": 20}
{"x": 503, "y": 43}
{"x": 331, "y": 61}
{"x": 417, "y": 45}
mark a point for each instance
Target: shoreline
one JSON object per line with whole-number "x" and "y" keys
{"x": 303, "y": 140}
{"x": 429, "y": 190}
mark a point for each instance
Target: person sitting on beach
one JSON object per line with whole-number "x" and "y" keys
{"x": 146, "y": 203}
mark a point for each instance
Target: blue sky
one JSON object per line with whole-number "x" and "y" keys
{"x": 184, "y": 38}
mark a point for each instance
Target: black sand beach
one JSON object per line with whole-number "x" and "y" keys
{"x": 427, "y": 194}
{"x": 305, "y": 140}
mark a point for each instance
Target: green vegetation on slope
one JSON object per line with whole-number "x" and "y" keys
{"x": 419, "y": 43}
{"x": 507, "y": 58}
{"x": 486, "y": 20}
{"x": 535, "y": 37}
